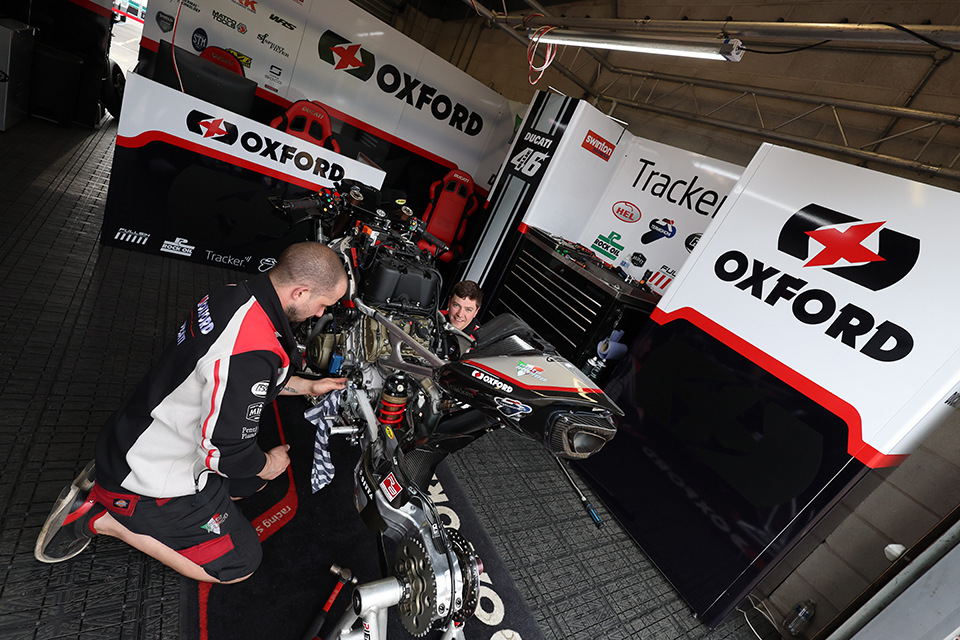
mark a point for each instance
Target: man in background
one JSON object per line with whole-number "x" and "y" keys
{"x": 463, "y": 306}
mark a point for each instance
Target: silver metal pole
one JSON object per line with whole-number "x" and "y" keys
{"x": 876, "y": 33}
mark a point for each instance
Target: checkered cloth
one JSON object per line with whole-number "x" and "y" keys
{"x": 323, "y": 416}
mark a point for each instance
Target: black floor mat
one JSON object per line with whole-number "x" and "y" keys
{"x": 303, "y": 534}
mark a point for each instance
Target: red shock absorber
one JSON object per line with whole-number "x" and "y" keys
{"x": 393, "y": 400}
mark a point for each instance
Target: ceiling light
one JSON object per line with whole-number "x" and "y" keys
{"x": 729, "y": 49}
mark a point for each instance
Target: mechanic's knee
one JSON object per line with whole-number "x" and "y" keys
{"x": 234, "y": 581}
{"x": 240, "y": 562}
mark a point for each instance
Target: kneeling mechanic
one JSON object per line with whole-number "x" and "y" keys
{"x": 182, "y": 446}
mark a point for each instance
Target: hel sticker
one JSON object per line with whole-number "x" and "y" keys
{"x": 512, "y": 408}
{"x": 391, "y": 487}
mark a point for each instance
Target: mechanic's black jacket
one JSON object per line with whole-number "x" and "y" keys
{"x": 197, "y": 410}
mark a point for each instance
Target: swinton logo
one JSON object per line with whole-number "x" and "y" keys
{"x": 352, "y": 58}
{"x": 851, "y": 324}
{"x": 598, "y": 146}
{"x": 843, "y": 253}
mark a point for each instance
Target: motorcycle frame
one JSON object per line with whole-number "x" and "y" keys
{"x": 370, "y": 604}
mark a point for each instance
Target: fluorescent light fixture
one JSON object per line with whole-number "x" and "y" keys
{"x": 729, "y": 49}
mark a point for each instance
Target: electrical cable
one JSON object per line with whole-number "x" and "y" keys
{"x": 173, "y": 50}
{"x": 892, "y": 25}
{"x": 548, "y": 55}
{"x": 747, "y": 620}
{"x": 918, "y": 36}
{"x": 773, "y": 53}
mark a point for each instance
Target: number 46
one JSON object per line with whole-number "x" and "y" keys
{"x": 528, "y": 161}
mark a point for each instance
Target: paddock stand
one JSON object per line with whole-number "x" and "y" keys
{"x": 371, "y": 602}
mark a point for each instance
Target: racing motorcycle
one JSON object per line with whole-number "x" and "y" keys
{"x": 418, "y": 390}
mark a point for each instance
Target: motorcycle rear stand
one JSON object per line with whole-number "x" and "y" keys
{"x": 371, "y": 603}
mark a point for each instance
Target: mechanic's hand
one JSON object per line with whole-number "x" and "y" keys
{"x": 277, "y": 462}
{"x": 319, "y": 387}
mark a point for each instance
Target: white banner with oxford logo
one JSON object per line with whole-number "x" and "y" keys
{"x": 362, "y": 70}
{"x": 838, "y": 280}
{"x": 153, "y": 112}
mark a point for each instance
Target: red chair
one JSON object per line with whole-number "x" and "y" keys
{"x": 308, "y": 121}
{"x": 452, "y": 201}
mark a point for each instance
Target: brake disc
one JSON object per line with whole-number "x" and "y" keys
{"x": 414, "y": 568}
{"x": 470, "y": 568}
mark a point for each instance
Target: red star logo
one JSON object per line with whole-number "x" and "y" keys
{"x": 213, "y": 128}
{"x": 347, "y": 56}
{"x": 844, "y": 245}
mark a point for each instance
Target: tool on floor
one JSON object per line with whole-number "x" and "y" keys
{"x": 586, "y": 504}
{"x": 344, "y": 576}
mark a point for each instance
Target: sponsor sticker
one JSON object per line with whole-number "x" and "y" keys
{"x": 353, "y": 58}
{"x": 390, "y": 486}
{"x": 492, "y": 381}
{"x": 178, "y": 247}
{"x": 265, "y": 40}
{"x": 626, "y": 211}
{"x": 266, "y": 264}
{"x": 524, "y": 369}
{"x": 691, "y": 242}
{"x": 203, "y": 316}
{"x": 213, "y": 524}
{"x": 821, "y": 238}
{"x": 128, "y": 235}
{"x": 199, "y": 39}
{"x": 260, "y": 389}
{"x": 637, "y": 259}
{"x": 249, "y": 5}
{"x": 164, "y": 21}
{"x": 599, "y": 147}
{"x": 219, "y": 130}
{"x": 253, "y": 411}
{"x": 512, "y": 408}
{"x": 608, "y": 246}
{"x": 226, "y": 259}
{"x": 659, "y": 228}
{"x": 841, "y": 239}
{"x": 244, "y": 59}
{"x": 682, "y": 193}
{"x": 283, "y": 22}
{"x": 662, "y": 278}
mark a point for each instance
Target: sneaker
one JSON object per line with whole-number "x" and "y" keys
{"x": 67, "y": 530}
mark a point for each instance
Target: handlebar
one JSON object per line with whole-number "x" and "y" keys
{"x": 419, "y": 228}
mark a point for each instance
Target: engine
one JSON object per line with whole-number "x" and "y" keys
{"x": 413, "y": 397}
